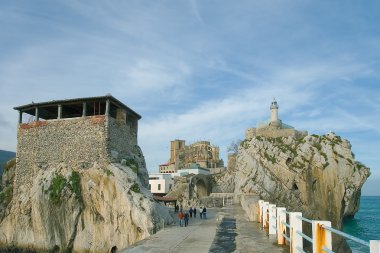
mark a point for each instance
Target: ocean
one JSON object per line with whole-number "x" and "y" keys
{"x": 366, "y": 223}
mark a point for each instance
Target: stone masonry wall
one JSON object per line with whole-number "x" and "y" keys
{"x": 122, "y": 140}
{"x": 77, "y": 142}
{"x": 273, "y": 132}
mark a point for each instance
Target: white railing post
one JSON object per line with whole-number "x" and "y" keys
{"x": 261, "y": 202}
{"x": 321, "y": 236}
{"x": 265, "y": 214}
{"x": 272, "y": 219}
{"x": 296, "y": 240}
{"x": 374, "y": 246}
{"x": 281, "y": 229}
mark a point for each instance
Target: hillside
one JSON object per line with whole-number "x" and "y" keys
{"x": 4, "y": 157}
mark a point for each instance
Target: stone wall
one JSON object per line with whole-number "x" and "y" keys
{"x": 76, "y": 142}
{"x": 122, "y": 140}
{"x": 273, "y": 132}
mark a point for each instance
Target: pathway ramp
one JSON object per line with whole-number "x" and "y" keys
{"x": 225, "y": 230}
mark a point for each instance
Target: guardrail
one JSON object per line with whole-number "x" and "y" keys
{"x": 275, "y": 220}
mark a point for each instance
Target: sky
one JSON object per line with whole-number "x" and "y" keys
{"x": 201, "y": 70}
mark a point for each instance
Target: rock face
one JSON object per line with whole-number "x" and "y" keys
{"x": 316, "y": 175}
{"x": 97, "y": 209}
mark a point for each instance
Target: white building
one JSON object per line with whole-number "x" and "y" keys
{"x": 160, "y": 184}
{"x": 194, "y": 169}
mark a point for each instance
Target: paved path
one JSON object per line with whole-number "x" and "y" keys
{"x": 224, "y": 230}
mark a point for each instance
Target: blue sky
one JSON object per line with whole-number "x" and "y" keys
{"x": 201, "y": 69}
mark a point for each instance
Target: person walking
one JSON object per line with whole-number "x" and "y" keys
{"x": 186, "y": 217}
{"x": 191, "y": 212}
{"x": 200, "y": 212}
{"x": 204, "y": 212}
{"x": 180, "y": 217}
{"x": 195, "y": 212}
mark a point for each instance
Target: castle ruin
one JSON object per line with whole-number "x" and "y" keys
{"x": 182, "y": 156}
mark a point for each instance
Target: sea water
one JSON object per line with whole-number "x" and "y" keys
{"x": 366, "y": 223}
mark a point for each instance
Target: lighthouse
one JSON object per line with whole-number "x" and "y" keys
{"x": 274, "y": 121}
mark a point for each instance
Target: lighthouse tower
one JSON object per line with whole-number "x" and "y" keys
{"x": 274, "y": 121}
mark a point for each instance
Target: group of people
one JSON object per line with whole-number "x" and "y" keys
{"x": 185, "y": 216}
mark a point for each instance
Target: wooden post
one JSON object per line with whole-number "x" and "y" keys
{"x": 272, "y": 219}
{"x": 296, "y": 240}
{"x": 321, "y": 236}
{"x": 374, "y": 246}
{"x": 281, "y": 228}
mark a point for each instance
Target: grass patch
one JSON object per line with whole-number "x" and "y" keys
{"x": 58, "y": 184}
{"x": 75, "y": 185}
{"x": 136, "y": 188}
{"x": 56, "y": 187}
{"x": 360, "y": 165}
{"x": 131, "y": 163}
{"x": 108, "y": 172}
{"x": 245, "y": 144}
{"x": 270, "y": 158}
{"x": 317, "y": 146}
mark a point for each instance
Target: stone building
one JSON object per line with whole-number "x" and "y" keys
{"x": 182, "y": 156}
{"x": 274, "y": 127}
{"x": 76, "y": 132}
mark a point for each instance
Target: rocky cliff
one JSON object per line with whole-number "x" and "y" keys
{"x": 97, "y": 209}
{"x": 317, "y": 175}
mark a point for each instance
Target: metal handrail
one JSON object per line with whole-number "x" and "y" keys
{"x": 345, "y": 235}
{"x": 300, "y": 250}
{"x": 286, "y": 224}
{"x": 287, "y": 238}
{"x": 305, "y": 236}
{"x": 325, "y": 249}
{"x": 304, "y": 219}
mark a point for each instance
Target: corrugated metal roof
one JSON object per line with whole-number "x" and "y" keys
{"x": 68, "y": 101}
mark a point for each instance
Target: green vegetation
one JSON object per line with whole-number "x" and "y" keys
{"x": 135, "y": 187}
{"x": 56, "y": 187}
{"x": 131, "y": 163}
{"x": 359, "y": 165}
{"x": 245, "y": 144}
{"x": 10, "y": 164}
{"x": 75, "y": 185}
{"x": 270, "y": 158}
{"x": 349, "y": 160}
{"x": 108, "y": 172}
{"x": 6, "y": 195}
{"x": 317, "y": 146}
{"x": 58, "y": 184}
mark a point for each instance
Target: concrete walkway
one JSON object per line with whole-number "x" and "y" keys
{"x": 224, "y": 230}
